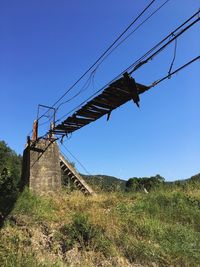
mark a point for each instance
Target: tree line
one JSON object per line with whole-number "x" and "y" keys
{"x": 10, "y": 174}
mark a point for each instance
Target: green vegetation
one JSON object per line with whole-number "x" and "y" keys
{"x": 10, "y": 168}
{"x": 86, "y": 235}
{"x": 105, "y": 183}
{"x": 141, "y": 184}
{"x": 160, "y": 228}
{"x": 122, "y": 226}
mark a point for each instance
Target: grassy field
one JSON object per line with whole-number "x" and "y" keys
{"x": 161, "y": 228}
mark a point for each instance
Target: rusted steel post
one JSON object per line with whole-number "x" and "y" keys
{"x": 35, "y": 130}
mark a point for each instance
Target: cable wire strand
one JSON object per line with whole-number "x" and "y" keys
{"x": 174, "y": 72}
{"x": 123, "y": 40}
{"x": 174, "y": 57}
{"x": 141, "y": 61}
{"x": 104, "y": 53}
{"x": 165, "y": 45}
{"x": 76, "y": 159}
{"x": 108, "y": 54}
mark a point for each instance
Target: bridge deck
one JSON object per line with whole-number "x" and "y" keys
{"x": 115, "y": 95}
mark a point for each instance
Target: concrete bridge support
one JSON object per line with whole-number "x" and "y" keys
{"x": 41, "y": 166}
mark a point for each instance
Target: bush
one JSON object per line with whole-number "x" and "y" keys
{"x": 39, "y": 207}
{"x": 86, "y": 235}
{"x": 174, "y": 207}
{"x": 160, "y": 227}
{"x": 10, "y": 167}
{"x": 140, "y": 184}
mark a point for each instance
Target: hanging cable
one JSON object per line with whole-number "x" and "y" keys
{"x": 138, "y": 63}
{"x": 106, "y": 56}
{"x": 174, "y": 72}
{"x": 165, "y": 45}
{"x": 167, "y": 76}
{"x": 103, "y": 54}
{"x": 174, "y": 57}
{"x": 122, "y": 41}
{"x": 92, "y": 177}
{"x": 141, "y": 61}
{"x": 84, "y": 87}
{"x": 75, "y": 158}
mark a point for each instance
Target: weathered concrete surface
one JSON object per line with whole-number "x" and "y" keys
{"x": 41, "y": 167}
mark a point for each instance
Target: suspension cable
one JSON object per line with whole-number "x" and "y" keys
{"x": 81, "y": 164}
{"x": 174, "y": 72}
{"x": 103, "y": 54}
{"x": 114, "y": 48}
{"x": 144, "y": 21}
{"x": 141, "y": 61}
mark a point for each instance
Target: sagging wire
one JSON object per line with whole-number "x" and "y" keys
{"x": 106, "y": 56}
{"x": 165, "y": 45}
{"x": 141, "y": 61}
{"x": 76, "y": 159}
{"x": 133, "y": 31}
{"x": 83, "y": 89}
{"x": 174, "y": 72}
{"x": 81, "y": 164}
{"x": 173, "y": 59}
{"x": 102, "y": 55}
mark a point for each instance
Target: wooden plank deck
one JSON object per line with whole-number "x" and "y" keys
{"x": 115, "y": 95}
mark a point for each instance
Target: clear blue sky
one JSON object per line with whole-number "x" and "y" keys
{"x": 46, "y": 45}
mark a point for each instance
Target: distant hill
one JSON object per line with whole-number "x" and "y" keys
{"x": 105, "y": 182}
{"x": 110, "y": 183}
{"x": 194, "y": 178}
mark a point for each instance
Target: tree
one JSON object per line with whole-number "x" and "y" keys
{"x": 140, "y": 184}
{"x": 10, "y": 160}
{"x": 10, "y": 169}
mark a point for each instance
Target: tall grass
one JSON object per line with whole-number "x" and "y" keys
{"x": 161, "y": 228}
{"x": 37, "y": 207}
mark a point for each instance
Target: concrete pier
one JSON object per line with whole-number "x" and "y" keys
{"x": 41, "y": 166}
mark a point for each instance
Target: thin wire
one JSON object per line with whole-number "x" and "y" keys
{"x": 106, "y": 56}
{"x": 104, "y": 53}
{"x": 165, "y": 45}
{"x": 29, "y": 133}
{"x": 64, "y": 154}
{"x": 50, "y": 117}
{"x": 144, "y": 21}
{"x": 167, "y": 76}
{"x": 152, "y": 85}
{"x": 45, "y": 122}
{"x": 174, "y": 57}
{"x": 175, "y": 71}
{"x": 76, "y": 159}
{"x": 84, "y": 88}
{"x": 138, "y": 63}
{"x": 92, "y": 177}
{"x": 87, "y": 99}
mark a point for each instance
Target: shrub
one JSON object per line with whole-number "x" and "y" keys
{"x": 140, "y": 184}
{"x": 174, "y": 207}
{"x": 86, "y": 235}
{"x": 10, "y": 167}
{"x": 39, "y": 207}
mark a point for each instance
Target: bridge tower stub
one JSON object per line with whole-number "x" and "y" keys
{"x": 41, "y": 166}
